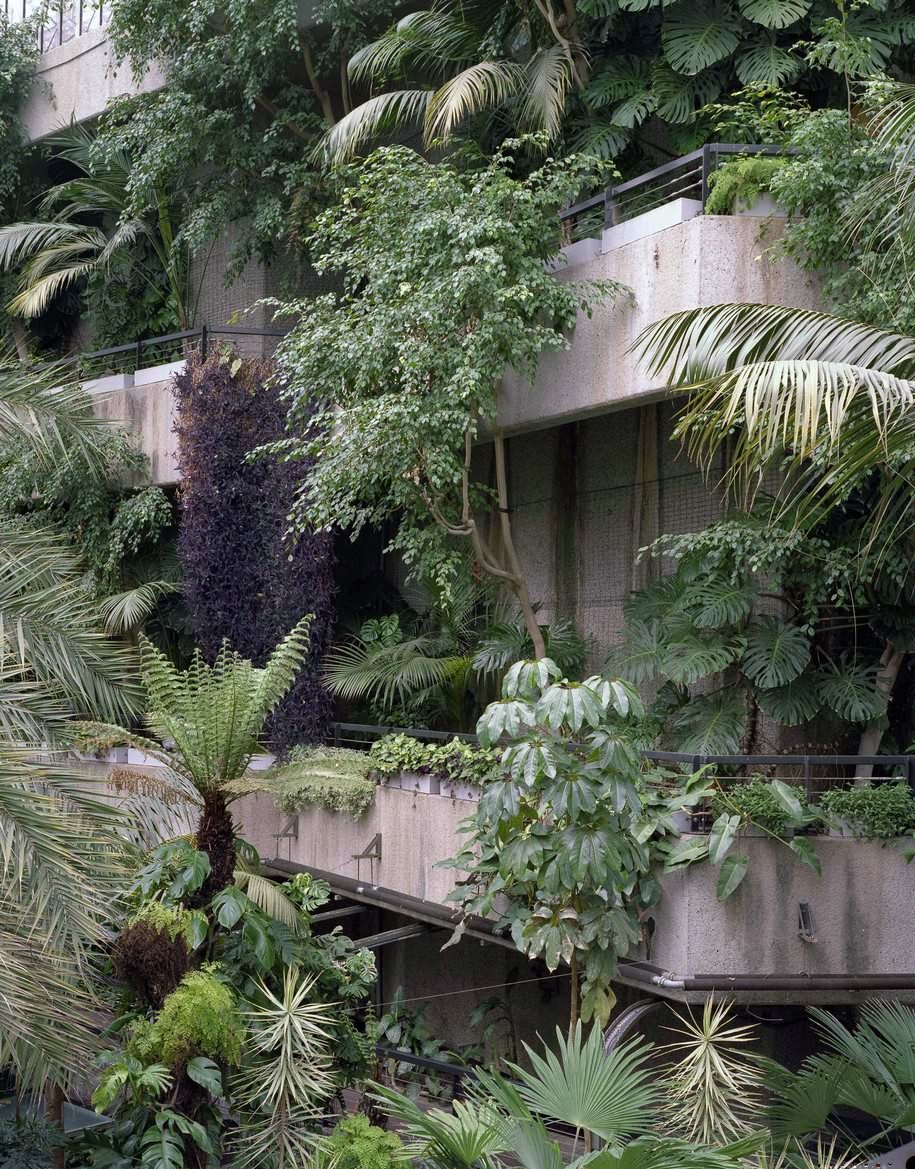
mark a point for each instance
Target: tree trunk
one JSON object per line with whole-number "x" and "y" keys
{"x": 20, "y": 340}
{"x": 518, "y": 583}
{"x": 216, "y": 837}
{"x": 869, "y": 743}
{"x": 54, "y": 1114}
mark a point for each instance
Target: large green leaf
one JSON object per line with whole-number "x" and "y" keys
{"x": 718, "y": 602}
{"x": 695, "y": 656}
{"x": 776, "y": 652}
{"x": 696, "y": 36}
{"x": 763, "y": 62}
{"x": 722, "y": 836}
{"x": 679, "y": 97}
{"x": 850, "y": 690}
{"x": 639, "y": 659}
{"x": 794, "y": 703}
{"x": 712, "y": 724}
{"x": 732, "y": 873}
{"x": 774, "y": 13}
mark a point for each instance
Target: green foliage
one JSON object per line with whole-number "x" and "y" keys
{"x": 355, "y": 1143}
{"x": 328, "y": 777}
{"x": 711, "y": 621}
{"x": 406, "y": 1028}
{"x": 738, "y": 183}
{"x": 464, "y": 250}
{"x": 18, "y": 59}
{"x": 200, "y": 1018}
{"x": 825, "y": 187}
{"x": 756, "y": 802}
{"x": 883, "y": 810}
{"x": 25, "y": 1144}
{"x": 556, "y": 848}
{"x": 457, "y": 761}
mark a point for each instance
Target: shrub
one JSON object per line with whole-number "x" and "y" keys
{"x": 201, "y": 1017}
{"x": 357, "y": 1144}
{"x": 395, "y": 753}
{"x": 331, "y": 777}
{"x": 460, "y": 761}
{"x": 243, "y": 580}
{"x": 883, "y": 810}
{"x": 25, "y": 1144}
{"x": 736, "y": 185}
{"x": 756, "y": 802}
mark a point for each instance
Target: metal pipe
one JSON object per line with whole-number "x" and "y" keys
{"x": 670, "y": 980}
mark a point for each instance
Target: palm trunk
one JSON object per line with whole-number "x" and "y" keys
{"x": 216, "y": 837}
{"x": 871, "y": 736}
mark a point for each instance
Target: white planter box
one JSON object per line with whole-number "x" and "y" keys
{"x": 457, "y": 790}
{"x": 427, "y": 785}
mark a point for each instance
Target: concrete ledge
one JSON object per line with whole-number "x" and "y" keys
{"x": 862, "y": 911}
{"x": 703, "y": 260}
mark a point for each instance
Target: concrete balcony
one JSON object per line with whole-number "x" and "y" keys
{"x": 785, "y": 936}
{"x": 671, "y": 259}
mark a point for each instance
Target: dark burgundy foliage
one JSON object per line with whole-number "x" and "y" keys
{"x": 244, "y": 579}
{"x": 150, "y": 962}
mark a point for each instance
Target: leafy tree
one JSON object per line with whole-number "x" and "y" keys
{"x": 597, "y": 76}
{"x": 249, "y": 89}
{"x": 444, "y": 281}
{"x": 556, "y": 848}
{"x": 18, "y": 58}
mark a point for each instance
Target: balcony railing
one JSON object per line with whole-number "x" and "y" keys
{"x": 681, "y": 178}
{"x": 63, "y": 20}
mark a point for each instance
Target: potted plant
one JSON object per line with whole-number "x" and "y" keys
{"x": 464, "y": 768}
{"x": 404, "y": 762}
{"x": 881, "y": 811}
{"x": 766, "y": 807}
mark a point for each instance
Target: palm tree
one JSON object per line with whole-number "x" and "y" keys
{"x": 210, "y": 717}
{"x": 85, "y": 222}
{"x": 61, "y": 847}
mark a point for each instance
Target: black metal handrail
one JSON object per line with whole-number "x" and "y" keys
{"x": 135, "y": 355}
{"x": 891, "y": 767}
{"x": 685, "y": 177}
{"x": 64, "y": 19}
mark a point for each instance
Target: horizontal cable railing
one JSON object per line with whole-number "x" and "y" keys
{"x": 171, "y": 347}
{"x": 687, "y": 177}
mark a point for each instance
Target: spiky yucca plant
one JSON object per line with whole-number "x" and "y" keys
{"x": 207, "y": 721}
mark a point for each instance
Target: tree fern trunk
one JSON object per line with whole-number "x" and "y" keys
{"x": 216, "y": 837}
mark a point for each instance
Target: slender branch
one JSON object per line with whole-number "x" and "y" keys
{"x": 314, "y": 81}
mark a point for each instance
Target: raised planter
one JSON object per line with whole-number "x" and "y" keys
{"x": 459, "y": 790}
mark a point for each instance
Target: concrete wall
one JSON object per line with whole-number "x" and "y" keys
{"x": 75, "y": 82}
{"x": 863, "y": 911}
{"x": 863, "y": 906}
{"x": 704, "y": 260}
{"x": 144, "y": 404}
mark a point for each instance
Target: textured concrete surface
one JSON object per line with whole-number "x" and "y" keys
{"x": 863, "y": 910}
{"x": 75, "y": 82}
{"x": 145, "y": 405}
{"x": 416, "y": 831}
{"x": 709, "y": 259}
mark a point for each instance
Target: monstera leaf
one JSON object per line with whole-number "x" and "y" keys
{"x": 776, "y": 652}
{"x": 712, "y": 724}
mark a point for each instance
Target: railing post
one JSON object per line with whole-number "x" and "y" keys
{"x": 204, "y": 341}
{"x": 138, "y": 356}
{"x": 706, "y": 171}
{"x": 610, "y": 210}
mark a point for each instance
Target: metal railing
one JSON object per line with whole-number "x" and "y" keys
{"x": 687, "y": 177}
{"x": 134, "y": 355}
{"x": 63, "y": 20}
{"x": 815, "y": 773}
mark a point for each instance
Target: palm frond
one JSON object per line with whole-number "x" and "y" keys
{"x": 550, "y": 73}
{"x": 481, "y": 86}
{"x": 127, "y": 611}
{"x": 431, "y": 39}
{"x": 377, "y": 116}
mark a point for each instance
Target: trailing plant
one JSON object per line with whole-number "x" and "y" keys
{"x": 327, "y": 777}
{"x": 395, "y": 753}
{"x": 457, "y": 761}
{"x": 243, "y": 580}
{"x": 395, "y": 407}
{"x": 884, "y": 810}
{"x": 557, "y": 849}
{"x": 738, "y": 183}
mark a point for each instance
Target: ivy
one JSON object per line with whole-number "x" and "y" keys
{"x": 243, "y": 579}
